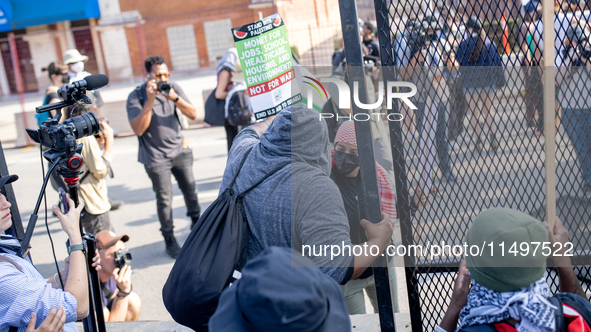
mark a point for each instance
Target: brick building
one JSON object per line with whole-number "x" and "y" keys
{"x": 118, "y": 34}
{"x": 195, "y": 34}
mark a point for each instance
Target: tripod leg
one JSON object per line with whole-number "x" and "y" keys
{"x": 94, "y": 286}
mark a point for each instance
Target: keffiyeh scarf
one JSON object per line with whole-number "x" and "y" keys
{"x": 528, "y": 305}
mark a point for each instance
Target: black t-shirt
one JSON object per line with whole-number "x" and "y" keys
{"x": 372, "y": 46}
{"x": 162, "y": 140}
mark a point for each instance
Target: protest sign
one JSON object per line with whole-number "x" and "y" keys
{"x": 267, "y": 65}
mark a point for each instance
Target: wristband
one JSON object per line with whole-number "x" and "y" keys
{"x": 267, "y": 122}
{"x": 122, "y": 293}
{"x": 81, "y": 246}
{"x": 177, "y": 99}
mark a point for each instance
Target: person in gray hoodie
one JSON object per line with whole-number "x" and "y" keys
{"x": 299, "y": 205}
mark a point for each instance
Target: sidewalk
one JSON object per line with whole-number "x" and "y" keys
{"x": 114, "y": 96}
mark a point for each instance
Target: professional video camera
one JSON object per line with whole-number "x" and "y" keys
{"x": 579, "y": 35}
{"x": 61, "y": 138}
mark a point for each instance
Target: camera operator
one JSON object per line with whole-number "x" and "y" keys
{"x": 162, "y": 149}
{"x": 93, "y": 185}
{"x": 574, "y": 97}
{"x": 25, "y": 291}
{"x": 120, "y": 303}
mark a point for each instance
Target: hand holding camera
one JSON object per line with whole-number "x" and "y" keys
{"x": 123, "y": 278}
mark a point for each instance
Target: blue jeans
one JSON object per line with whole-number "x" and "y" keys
{"x": 577, "y": 123}
{"x": 440, "y": 134}
{"x": 181, "y": 167}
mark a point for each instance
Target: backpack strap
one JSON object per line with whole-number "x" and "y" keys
{"x": 558, "y": 314}
{"x": 240, "y": 167}
{"x": 140, "y": 97}
{"x": 87, "y": 173}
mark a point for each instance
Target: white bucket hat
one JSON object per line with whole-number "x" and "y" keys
{"x": 73, "y": 56}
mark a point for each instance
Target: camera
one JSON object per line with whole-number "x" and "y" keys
{"x": 163, "y": 87}
{"x": 122, "y": 257}
{"x": 62, "y": 137}
{"x": 579, "y": 35}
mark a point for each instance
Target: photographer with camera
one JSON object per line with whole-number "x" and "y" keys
{"x": 151, "y": 110}
{"x": 92, "y": 184}
{"x": 120, "y": 303}
{"x": 574, "y": 97}
{"x": 26, "y": 292}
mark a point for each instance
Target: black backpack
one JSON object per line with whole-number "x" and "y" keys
{"x": 206, "y": 265}
{"x": 239, "y": 113}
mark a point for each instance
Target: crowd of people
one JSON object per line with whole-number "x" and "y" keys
{"x": 315, "y": 195}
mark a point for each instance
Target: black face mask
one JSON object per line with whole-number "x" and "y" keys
{"x": 65, "y": 78}
{"x": 345, "y": 163}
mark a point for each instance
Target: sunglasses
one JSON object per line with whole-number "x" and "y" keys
{"x": 161, "y": 75}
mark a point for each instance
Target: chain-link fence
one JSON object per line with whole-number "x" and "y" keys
{"x": 477, "y": 138}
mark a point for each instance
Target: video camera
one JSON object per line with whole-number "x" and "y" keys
{"x": 580, "y": 35}
{"x": 61, "y": 138}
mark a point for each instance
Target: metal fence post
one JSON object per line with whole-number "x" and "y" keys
{"x": 549, "y": 112}
{"x": 390, "y": 73}
{"x": 356, "y": 73}
{"x": 141, "y": 45}
{"x": 18, "y": 79}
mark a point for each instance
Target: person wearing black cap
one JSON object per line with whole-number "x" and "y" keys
{"x": 120, "y": 303}
{"x": 281, "y": 291}
{"x": 26, "y": 295}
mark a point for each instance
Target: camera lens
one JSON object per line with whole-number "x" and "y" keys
{"x": 163, "y": 87}
{"x": 84, "y": 125}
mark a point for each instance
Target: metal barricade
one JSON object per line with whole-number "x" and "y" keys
{"x": 480, "y": 134}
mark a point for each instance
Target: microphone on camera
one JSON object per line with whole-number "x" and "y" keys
{"x": 93, "y": 82}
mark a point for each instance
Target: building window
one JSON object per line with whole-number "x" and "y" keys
{"x": 219, "y": 39}
{"x": 183, "y": 48}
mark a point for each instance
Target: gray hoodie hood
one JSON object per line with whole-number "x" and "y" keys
{"x": 299, "y": 204}
{"x": 298, "y": 133}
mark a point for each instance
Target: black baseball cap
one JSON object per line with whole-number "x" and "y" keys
{"x": 8, "y": 179}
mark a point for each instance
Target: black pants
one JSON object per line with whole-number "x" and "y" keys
{"x": 181, "y": 167}
{"x": 231, "y": 132}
